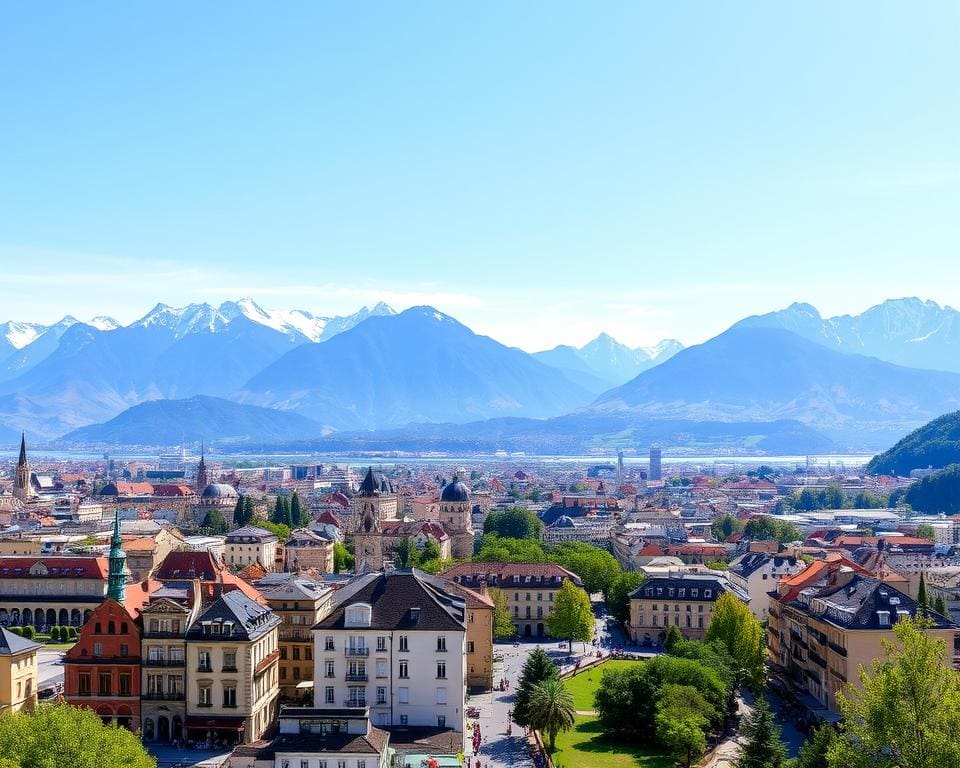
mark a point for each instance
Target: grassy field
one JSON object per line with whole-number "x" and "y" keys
{"x": 586, "y": 747}
{"x": 584, "y": 685}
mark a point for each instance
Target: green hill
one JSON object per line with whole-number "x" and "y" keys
{"x": 936, "y": 445}
{"x": 936, "y": 493}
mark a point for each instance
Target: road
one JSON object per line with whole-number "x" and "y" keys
{"x": 49, "y": 668}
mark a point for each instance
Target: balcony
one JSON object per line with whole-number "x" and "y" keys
{"x": 356, "y": 677}
{"x": 817, "y": 659}
{"x": 163, "y": 635}
{"x": 161, "y": 696}
{"x": 298, "y": 634}
{"x": 164, "y": 662}
{"x": 364, "y": 651}
{"x": 204, "y": 668}
{"x": 355, "y": 703}
{"x": 230, "y": 668}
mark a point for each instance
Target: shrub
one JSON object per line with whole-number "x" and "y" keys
{"x": 16, "y": 631}
{"x": 64, "y": 634}
{"x": 29, "y": 632}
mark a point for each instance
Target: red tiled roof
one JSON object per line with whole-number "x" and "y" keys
{"x": 328, "y": 518}
{"x": 506, "y": 571}
{"x": 57, "y": 567}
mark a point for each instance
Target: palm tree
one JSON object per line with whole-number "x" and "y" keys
{"x": 551, "y": 708}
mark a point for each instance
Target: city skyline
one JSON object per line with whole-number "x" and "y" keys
{"x": 541, "y": 173}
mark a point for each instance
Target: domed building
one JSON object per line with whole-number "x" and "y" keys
{"x": 221, "y": 495}
{"x": 456, "y": 517}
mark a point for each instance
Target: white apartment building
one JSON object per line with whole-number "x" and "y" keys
{"x": 757, "y": 574}
{"x": 250, "y": 544}
{"x": 395, "y": 642}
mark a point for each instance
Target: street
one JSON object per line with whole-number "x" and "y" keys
{"x": 49, "y": 668}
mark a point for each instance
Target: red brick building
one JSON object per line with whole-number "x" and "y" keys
{"x": 102, "y": 671}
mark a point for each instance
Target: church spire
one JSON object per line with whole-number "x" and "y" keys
{"x": 22, "y": 489}
{"x": 22, "y": 462}
{"x": 116, "y": 580}
{"x": 201, "y": 471}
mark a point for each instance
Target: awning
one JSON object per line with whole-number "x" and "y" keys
{"x": 305, "y": 684}
{"x": 215, "y": 723}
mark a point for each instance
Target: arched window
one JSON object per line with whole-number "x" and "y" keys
{"x": 111, "y": 628}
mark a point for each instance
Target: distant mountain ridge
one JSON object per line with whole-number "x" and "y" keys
{"x": 420, "y": 365}
{"x": 212, "y": 419}
{"x": 766, "y": 374}
{"x": 908, "y": 331}
{"x": 604, "y": 362}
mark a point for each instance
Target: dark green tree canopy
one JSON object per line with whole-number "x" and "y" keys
{"x": 514, "y": 523}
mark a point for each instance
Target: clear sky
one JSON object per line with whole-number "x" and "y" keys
{"x": 542, "y": 171}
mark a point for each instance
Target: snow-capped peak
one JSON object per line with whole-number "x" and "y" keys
{"x": 18, "y": 335}
{"x": 104, "y": 323}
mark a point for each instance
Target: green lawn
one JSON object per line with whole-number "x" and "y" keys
{"x": 584, "y": 685}
{"x": 586, "y": 747}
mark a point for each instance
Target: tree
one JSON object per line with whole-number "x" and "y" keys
{"x": 406, "y": 554}
{"x": 514, "y": 523}
{"x": 281, "y": 512}
{"x": 28, "y": 632}
{"x": 342, "y": 558}
{"x": 502, "y": 622}
{"x": 279, "y": 530}
{"x": 926, "y": 531}
{"x": 215, "y": 523}
{"x": 770, "y": 529}
{"x": 431, "y": 551}
{"x": 61, "y": 735}
{"x": 495, "y": 549}
{"x": 906, "y": 711}
{"x": 617, "y": 596}
{"x": 596, "y": 567}
{"x": 572, "y": 615}
{"x": 672, "y": 638}
{"x": 725, "y": 526}
{"x": 814, "y": 751}
{"x": 551, "y": 708}
{"x": 940, "y": 607}
{"x": 537, "y": 668}
{"x": 683, "y": 715}
{"x": 733, "y": 625}
{"x": 922, "y": 601}
{"x": 238, "y": 519}
{"x": 762, "y": 746}
{"x": 249, "y": 511}
{"x": 299, "y": 515}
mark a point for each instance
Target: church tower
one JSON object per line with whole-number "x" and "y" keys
{"x": 117, "y": 578}
{"x": 374, "y": 503}
{"x": 456, "y": 516}
{"x": 22, "y": 489}
{"x": 201, "y": 472}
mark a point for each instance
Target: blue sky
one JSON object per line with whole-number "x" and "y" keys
{"x": 542, "y": 171}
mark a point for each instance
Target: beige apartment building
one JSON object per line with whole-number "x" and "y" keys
{"x": 18, "y": 672}
{"x": 248, "y": 545}
{"x": 232, "y": 658}
{"x": 480, "y": 609}
{"x": 300, "y": 603}
{"x": 683, "y": 599}
{"x": 307, "y": 549}
{"x": 530, "y": 589}
{"x": 829, "y": 620}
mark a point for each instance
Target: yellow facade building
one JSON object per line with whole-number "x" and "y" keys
{"x": 18, "y": 672}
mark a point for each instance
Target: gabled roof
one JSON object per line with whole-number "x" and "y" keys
{"x": 502, "y": 574}
{"x": 393, "y": 597}
{"x": 252, "y": 532}
{"x": 247, "y": 618}
{"x": 14, "y": 645}
{"x": 20, "y": 566}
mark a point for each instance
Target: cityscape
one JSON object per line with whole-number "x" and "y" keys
{"x": 440, "y": 385}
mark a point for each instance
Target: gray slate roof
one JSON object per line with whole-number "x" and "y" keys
{"x": 12, "y": 645}
{"x": 250, "y": 619}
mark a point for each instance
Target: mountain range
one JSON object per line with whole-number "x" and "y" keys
{"x": 605, "y": 362}
{"x": 789, "y": 379}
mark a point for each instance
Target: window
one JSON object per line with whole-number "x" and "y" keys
{"x": 283, "y": 653}
{"x": 441, "y": 695}
{"x": 361, "y": 764}
{"x": 204, "y": 698}
{"x": 124, "y": 649}
{"x": 98, "y": 649}
{"x": 105, "y": 684}
{"x": 381, "y": 695}
{"x": 381, "y": 669}
{"x": 694, "y": 593}
{"x": 381, "y": 643}
{"x": 204, "y": 665}
{"x": 308, "y": 652}
{"x": 470, "y": 646}
{"x": 328, "y": 694}
{"x": 539, "y": 597}
{"x": 283, "y": 673}
{"x": 403, "y": 643}
{"x": 403, "y": 719}
{"x": 441, "y": 670}
{"x": 441, "y": 721}
{"x": 655, "y": 621}
{"x": 516, "y": 596}
{"x": 328, "y": 669}
{"x": 470, "y": 619}
{"x": 229, "y": 696}
{"x": 883, "y": 618}
{"x": 551, "y": 597}
{"x": 328, "y": 643}
{"x": 528, "y": 597}
{"x": 441, "y": 643}
{"x": 229, "y": 661}
{"x": 124, "y": 684}
{"x": 296, "y": 653}
{"x": 403, "y": 695}
{"x": 404, "y": 670}
{"x": 707, "y": 592}
{"x": 84, "y": 685}
{"x": 304, "y": 764}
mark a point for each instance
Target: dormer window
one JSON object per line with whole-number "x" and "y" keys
{"x": 358, "y": 615}
{"x": 883, "y": 618}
